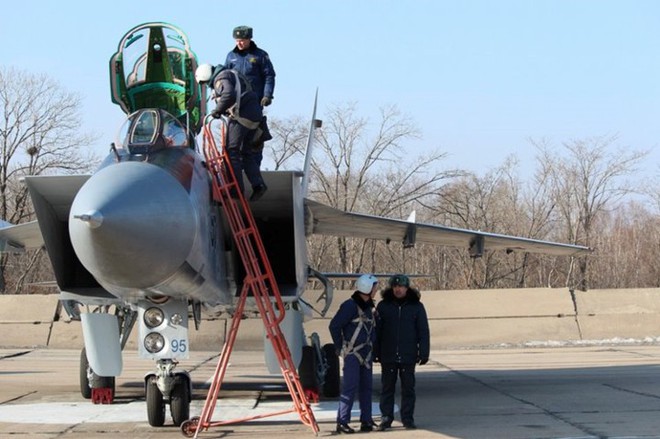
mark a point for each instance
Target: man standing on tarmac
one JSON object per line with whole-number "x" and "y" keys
{"x": 353, "y": 333}
{"x": 402, "y": 340}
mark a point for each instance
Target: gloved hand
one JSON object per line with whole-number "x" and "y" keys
{"x": 266, "y": 101}
{"x": 422, "y": 361}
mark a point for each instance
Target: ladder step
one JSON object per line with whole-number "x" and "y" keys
{"x": 260, "y": 281}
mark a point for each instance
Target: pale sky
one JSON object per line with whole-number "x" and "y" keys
{"x": 478, "y": 77}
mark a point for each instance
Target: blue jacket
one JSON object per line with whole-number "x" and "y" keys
{"x": 344, "y": 324}
{"x": 402, "y": 328}
{"x": 224, "y": 86}
{"x": 255, "y": 64}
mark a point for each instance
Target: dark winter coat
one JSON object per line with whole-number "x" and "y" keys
{"x": 225, "y": 88}
{"x": 255, "y": 64}
{"x": 344, "y": 324}
{"x": 402, "y": 328}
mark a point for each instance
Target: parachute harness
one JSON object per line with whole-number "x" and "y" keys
{"x": 366, "y": 323}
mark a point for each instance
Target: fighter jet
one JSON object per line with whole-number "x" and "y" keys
{"x": 141, "y": 240}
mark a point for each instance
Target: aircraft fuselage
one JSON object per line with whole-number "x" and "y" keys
{"x": 144, "y": 225}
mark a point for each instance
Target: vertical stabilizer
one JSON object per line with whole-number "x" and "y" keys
{"x": 316, "y": 123}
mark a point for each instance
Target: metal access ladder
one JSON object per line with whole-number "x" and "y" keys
{"x": 259, "y": 280}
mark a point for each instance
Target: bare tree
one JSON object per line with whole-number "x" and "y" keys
{"x": 370, "y": 174}
{"x": 289, "y": 140}
{"x": 588, "y": 180}
{"x": 40, "y": 133}
{"x": 628, "y": 240}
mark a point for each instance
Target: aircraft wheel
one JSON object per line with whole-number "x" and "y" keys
{"x": 307, "y": 369}
{"x": 331, "y": 383}
{"x": 180, "y": 400}
{"x": 85, "y": 389}
{"x": 155, "y": 404}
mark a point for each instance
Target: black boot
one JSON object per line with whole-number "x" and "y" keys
{"x": 344, "y": 428}
{"x": 385, "y": 424}
{"x": 258, "y": 191}
{"x": 367, "y": 426}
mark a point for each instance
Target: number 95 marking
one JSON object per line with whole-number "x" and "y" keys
{"x": 179, "y": 345}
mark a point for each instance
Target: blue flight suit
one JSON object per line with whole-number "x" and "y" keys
{"x": 243, "y": 154}
{"x": 353, "y": 333}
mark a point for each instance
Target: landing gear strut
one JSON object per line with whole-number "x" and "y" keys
{"x": 164, "y": 387}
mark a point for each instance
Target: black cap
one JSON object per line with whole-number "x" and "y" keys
{"x": 399, "y": 279}
{"x": 242, "y": 33}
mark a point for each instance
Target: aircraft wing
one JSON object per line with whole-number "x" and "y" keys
{"x": 52, "y": 197}
{"x": 18, "y": 237}
{"x": 327, "y": 220}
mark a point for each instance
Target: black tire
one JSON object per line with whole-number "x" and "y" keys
{"x": 331, "y": 384}
{"x": 180, "y": 400}
{"x": 155, "y": 403}
{"x": 307, "y": 369}
{"x": 85, "y": 389}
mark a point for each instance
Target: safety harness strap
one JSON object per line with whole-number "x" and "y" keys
{"x": 350, "y": 348}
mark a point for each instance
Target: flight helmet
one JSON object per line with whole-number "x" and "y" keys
{"x": 365, "y": 283}
{"x": 203, "y": 73}
{"x": 399, "y": 279}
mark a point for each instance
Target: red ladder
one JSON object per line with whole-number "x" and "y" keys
{"x": 259, "y": 280}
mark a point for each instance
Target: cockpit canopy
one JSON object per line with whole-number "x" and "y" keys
{"x": 150, "y": 130}
{"x": 154, "y": 67}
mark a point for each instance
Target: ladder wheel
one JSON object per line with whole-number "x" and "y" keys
{"x": 155, "y": 404}
{"x": 189, "y": 427}
{"x": 331, "y": 382}
{"x": 180, "y": 400}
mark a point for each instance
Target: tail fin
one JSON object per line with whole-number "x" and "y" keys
{"x": 315, "y": 123}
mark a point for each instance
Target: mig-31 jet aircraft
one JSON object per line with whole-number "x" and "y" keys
{"x": 141, "y": 240}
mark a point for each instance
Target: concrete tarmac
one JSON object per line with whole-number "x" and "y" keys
{"x": 570, "y": 392}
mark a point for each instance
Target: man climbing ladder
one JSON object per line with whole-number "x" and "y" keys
{"x": 259, "y": 281}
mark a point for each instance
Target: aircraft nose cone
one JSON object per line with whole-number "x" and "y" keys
{"x": 132, "y": 225}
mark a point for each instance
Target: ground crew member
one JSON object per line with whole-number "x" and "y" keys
{"x": 402, "y": 340}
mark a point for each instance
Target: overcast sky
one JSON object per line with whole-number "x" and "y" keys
{"x": 479, "y": 78}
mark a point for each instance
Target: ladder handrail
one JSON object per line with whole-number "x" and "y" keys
{"x": 258, "y": 280}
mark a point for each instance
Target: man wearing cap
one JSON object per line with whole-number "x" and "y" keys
{"x": 254, "y": 63}
{"x": 402, "y": 340}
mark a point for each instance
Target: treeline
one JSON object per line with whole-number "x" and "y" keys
{"x": 41, "y": 133}
{"x": 581, "y": 193}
